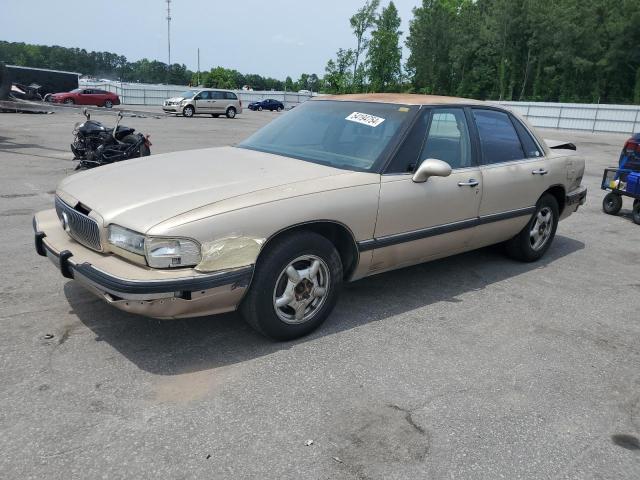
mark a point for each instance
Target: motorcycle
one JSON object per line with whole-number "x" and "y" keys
{"x": 95, "y": 145}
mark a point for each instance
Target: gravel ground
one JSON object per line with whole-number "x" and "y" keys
{"x": 472, "y": 367}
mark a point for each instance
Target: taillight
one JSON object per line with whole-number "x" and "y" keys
{"x": 631, "y": 146}
{"x": 240, "y": 103}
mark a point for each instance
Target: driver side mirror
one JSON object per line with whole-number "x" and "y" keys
{"x": 431, "y": 167}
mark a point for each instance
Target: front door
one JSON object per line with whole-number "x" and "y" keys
{"x": 203, "y": 102}
{"x": 422, "y": 221}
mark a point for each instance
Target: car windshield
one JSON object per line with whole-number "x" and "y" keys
{"x": 76, "y": 90}
{"x": 187, "y": 94}
{"x": 349, "y": 135}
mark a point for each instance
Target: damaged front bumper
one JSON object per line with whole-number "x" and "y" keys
{"x": 137, "y": 289}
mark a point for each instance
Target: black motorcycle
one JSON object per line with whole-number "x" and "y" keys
{"x": 95, "y": 145}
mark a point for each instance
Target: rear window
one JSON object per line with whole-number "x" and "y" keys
{"x": 498, "y": 138}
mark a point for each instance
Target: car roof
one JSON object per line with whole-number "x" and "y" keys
{"x": 403, "y": 98}
{"x": 211, "y": 90}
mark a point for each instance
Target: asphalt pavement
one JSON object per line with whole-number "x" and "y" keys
{"x": 471, "y": 367}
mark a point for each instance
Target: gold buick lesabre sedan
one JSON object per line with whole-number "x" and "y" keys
{"x": 333, "y": 191}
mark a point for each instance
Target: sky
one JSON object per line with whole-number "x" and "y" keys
{"x": 275, "y": 38}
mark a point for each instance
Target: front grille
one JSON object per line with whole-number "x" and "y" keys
{"x": 79, "y": 226}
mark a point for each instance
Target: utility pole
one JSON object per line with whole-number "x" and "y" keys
{"x": 169, "y": 30}
{"x": 198, "y": 65}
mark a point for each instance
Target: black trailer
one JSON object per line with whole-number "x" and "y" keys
{"x": 50, "y": 81}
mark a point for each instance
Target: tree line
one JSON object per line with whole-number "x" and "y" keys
{"x": 540, "y": 50}
{"x": 117, "y": 67}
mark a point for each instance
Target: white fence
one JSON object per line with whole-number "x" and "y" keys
{"x": 147, "y": 94}
{"x": 579, "y": 116}
{"x": 562, "y": 116}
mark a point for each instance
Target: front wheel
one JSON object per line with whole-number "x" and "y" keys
{"x": 259, "y": 109}
{"x": 294, "y": 287}
{"x": 535, "y": 238}
{"x": 612, "y": 203}
{"x": 231, "y": 112}
{"x": 279, "y": 109}
{"x": 188, "y": 111}
{"x": 68, "y": 101}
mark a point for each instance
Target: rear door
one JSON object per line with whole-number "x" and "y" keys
{"x": 421, "y": 221}
{"x": 218, "y": 102}
{"x": 515, "y": 172}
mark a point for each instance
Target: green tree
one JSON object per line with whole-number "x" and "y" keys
{"x": 362, "y": 21}
{"x": 384, "y": 52}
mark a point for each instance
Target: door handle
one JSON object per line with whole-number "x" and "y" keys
{"x": 471, "y": 183}
{"x": 540, "y": 171}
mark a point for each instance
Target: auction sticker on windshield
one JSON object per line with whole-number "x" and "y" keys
{"x": 365, "y": 119}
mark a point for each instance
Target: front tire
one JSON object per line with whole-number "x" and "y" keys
{"x": 612, "y": 203}
{"x": 535, "y": 238}
{"x": 295, "y": 286}
{"x": 188, "y": 111}
{"x": 259, "y": 109}
{"x": 231, "y": 112}
{"x": 279, "y": 109}
{"x": 68, "y": 101}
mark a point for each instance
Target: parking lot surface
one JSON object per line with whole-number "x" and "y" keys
{"x": 471, "y": 367}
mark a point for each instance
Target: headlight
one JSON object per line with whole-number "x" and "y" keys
{"x": 172, "y": 252}
{"x": 126, "y": 239}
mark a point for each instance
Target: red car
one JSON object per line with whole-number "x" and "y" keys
{"x": 86, "y": 96}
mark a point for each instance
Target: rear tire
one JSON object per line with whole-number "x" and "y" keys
{"x": 231, "y": 112}
{"x": 535, "y": 238}
{"x": 279, "y": 109}
{"x": 188, "y": 111}
{"x": 144, "y": 150}
{"x": 108, "y": 104}
{"x": 612, "y": 203}
{"x": 635, "y": 215}
{"x": 312, "y": 295}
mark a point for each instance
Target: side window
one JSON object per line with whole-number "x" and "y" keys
{"x": 218, "y": 95}
{"x": 87, "y": 92}
{"x": 202, "y": 96}
{"x": 448, "y": 138}
{"x": 498, "y": 138}
{"x": 531, "y": 149}
{"x": 406, "y": 158}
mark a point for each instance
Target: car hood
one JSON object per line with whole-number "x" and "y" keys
{"x": 174, "y": 99}
{"x": 143, "y": 192}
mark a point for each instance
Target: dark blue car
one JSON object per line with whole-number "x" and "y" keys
{"x": 268, "y": 104}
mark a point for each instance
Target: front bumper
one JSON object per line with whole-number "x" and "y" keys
{"x": 171, "y": 108}
{"x": 137, "y": 289}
